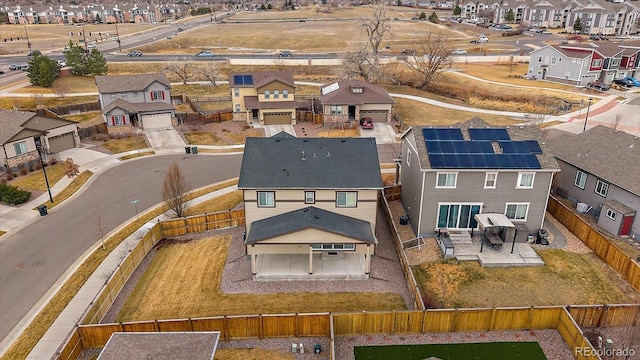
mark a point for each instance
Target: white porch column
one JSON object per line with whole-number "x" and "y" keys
{"x": 310, "y": 259}
{"x": 253, "y": 260}
{"x": 367, "y": 269}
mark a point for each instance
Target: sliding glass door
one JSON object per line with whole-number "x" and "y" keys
{"x": 458, "y": 216}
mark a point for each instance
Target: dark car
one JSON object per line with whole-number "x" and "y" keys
{"x": 135, "y": 53}
{"x": 14, "y": 67}
{"x": 204, "y": 54}
{"x": 34, "y": 53}
{"x": 1, "y": 72}
{"x": 623, "y": 82}
{"x": 366, "y": 123}
{"x": 599, "y": 85}
{"x": 285, "y": 53}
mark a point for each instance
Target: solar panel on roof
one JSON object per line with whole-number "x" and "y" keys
{"x": 534, "y": 147}
{"x": 237, "y": 79}
{"x": 433, "y": 147}
{"x": 489, "y": 134}
{"x": 507, "y": 147}
{"x": 450, "y": 161}
{"x": 464, "y": 161}
{"x": 436, "y": 160}
{"x": 247, "y": 79}
{"x": 447, "y": 147}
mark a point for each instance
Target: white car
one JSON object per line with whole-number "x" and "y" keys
{"x": 91, "y": 46}
{"x": 62, "y": 63}
{"x": 459, "y": 52}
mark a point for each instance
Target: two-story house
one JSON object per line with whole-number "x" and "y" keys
{"x": 352, "y": 100}
{"x": 264, "y": 98}
{"x": 21, "y": 132}
{"x": 450, "y": 174}
{"x": 599, "y": 169}
{"x": 142, "y": 100}
{"x": 310, "y": 201}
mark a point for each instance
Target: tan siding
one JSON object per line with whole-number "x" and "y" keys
{"x": 299, "y": 249}
{"x": 240, "y": 99}
{"x": 310, "y": 236}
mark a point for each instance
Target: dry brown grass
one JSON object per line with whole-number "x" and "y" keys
{"x": 194, "y": 291}
{"x": 339, "y": 133}
{"x": 253, "y": 354}
{"x": 7, "y": 102}
{"x": 65, "y": 85}
{"x": 203, "y": 138}
{"x": 500, "y": 73}
{"x": 237, "y": 138}
{"x": 573, "y": 278}
{"x": 417, "y": 113}
{"x": 117, "y": 146}
{"x": 84, "y": 117}
{"x": 201, "y": 90}
{"x": 221, "y": 203}
{"x": 35, "y": 180}
{"x": 214, "y": 105}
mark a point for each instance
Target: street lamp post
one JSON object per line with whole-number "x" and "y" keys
{"x": 27, "y": 34}
{"x": 587, "y": 117}
{"x": 118, "y": 37}
{"x": 135, "y": 203}
{"x": 44, "y": 171}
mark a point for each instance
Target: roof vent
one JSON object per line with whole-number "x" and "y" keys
{"x": 286, "y": 172}
{"x": 278, "y": 140}
{"x": 306, "y": 140}
{"x": 328, "y": 154}
{"x": 343, "y": 140}
{"x": 314, "y": 155}
{"x": 304, "y": 157}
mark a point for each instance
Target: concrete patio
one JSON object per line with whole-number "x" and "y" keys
{"x": 341, "y": 266}
{"x": 523, "y": 254}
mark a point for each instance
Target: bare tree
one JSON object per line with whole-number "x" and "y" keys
{"x": 174, "y": 191}
{"x": 71, "y": 168}
{"x": 376, "y": 27}
{"x": 616, "y": 122}
{"x": 99, "y": 224}
{"x": 210, "y": 72}
{"x": 38, "y": 98}
{"x": 182, "y": 69}
{"x": 434, "y": 54}
{"x": 61, "y": 89}
{"x": 356, "y": 63}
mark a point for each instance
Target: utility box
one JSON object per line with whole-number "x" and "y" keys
{"x": 43, "y": 210}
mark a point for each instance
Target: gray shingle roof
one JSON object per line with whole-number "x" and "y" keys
{"x": 606, "y": 153}
{"x": 310, "y": 163}
{"x": 161, "y": 346}
{"x": 17, "y": 125}
{"x": 261, "y": 78}
{"x": 371, "y": 94}
{"x": 134, "y": 82}
{"x": 310, "y": 218}
{"x": 10, "y": 123}
{"x": 138, "y": 107}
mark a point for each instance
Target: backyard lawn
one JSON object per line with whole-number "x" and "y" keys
{"x": 194, "y": 290}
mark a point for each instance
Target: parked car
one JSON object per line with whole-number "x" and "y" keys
{"x": 481, "y": 40}
{"x": 285, "y": 53}
{"x": 62, "y": 63}
{"x": 34, "y": 52}
{"x": 1, "y": 72}
{"x": 366, "y": 123}
{"x": 205, "y": 54}
{"x": 14, "y": 67}
{"x": 599, "y": 85}
{"x": 135, "y": 53}
{"x": 408, "y": 52}
{"x": 623, "y": 82}
{"x": 633, "y": 80}
{"x": 91, "y": 46}
{"x": 459, "y": 52}
{"x": 24, "y": 67}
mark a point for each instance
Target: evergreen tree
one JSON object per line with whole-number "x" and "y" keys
{"x": 509, "y": 16}
{"x": 98, "y": 18}
{"x": 433, "y": 17}
{"x": 269, "y": 6}
{"x": 577, "y": 26}
{"x": 422, "y": 16}
{"x": 42, "y": 70}
{"x": 76, "y": 59}
{"x": 96, "y": 63}
{"x": 457, "y": 10}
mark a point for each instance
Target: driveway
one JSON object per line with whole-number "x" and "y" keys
{"x": 384, "y": 133}
{"x": 164, "y": 138}
{"x": 270, "y": 130}
{"x": 81, "y": 155}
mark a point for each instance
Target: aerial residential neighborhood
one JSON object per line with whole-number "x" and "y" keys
{"x": 320, "y": 180}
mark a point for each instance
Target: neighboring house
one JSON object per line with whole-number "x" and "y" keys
{"x": 449, "y": 174}
{"x": 129, "y": 101}
{"x": 351, "y": 100}
{"x": 311, "y": 198}
{"x": 264, "y": 98}
{"x": 21, "y": 131}
{"x": 599, "y": 167}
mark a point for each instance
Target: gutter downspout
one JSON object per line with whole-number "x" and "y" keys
{"x": 421, "y": 204}
{"x": 580, "y": 74}
{"x": 546, "y": 203}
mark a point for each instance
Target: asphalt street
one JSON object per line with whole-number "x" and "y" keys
{"x": 33, "y": 259}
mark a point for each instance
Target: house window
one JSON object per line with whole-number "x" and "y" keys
{"x": 346, "y": 198}
{"x": 581, "y": 179}
{"x": 309, "y": 197}
{"x": 266, "y": 199}
{"x": 517, "y": 211}
{"x": 611, "y": 214}
{"x": 356, "y": 90}
{"x": 236, "y": 92}
{"x": 553, "y": 61}
{"x": 596, "y": 63}
{"x": 157, "y": 95}
{"x": 334, "y": 247}
{"x": 490, "y": 180}
{"x": 602, "y": 188}
{"x": 20, "y": 148}
{"x": 408, "y": 157}
{"x": 285, "y": 94}
{"x": 118, "y": 119}
{"x": 112, "y": 96}
{"x": 540, "y": 58}
{"x": 336, "y": 109}
{"x": 457, "y": 216}
{"x": 276, "y": 94}
{"x": 266, "y": 94}
{"x": 525, "y": 180}
{"x": 237, "y": 107}
{"x": 446, "y": 180}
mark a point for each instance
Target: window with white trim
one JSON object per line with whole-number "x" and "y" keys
{"x": 596, "y": 63}
{"x": 266, "y": 199}
{"x": 525, "y": 180}
{"x": 446, "y": 180}
{"x": 581, "y": 179}
{"x": 237, "y": 107}
{"x": 611, "y": 214}
{"x": 336, "y": 109}
{"x": 602, "y": 188}
{"x": 334, "y": 247}
{"x": 408, "y": 157}
{"x": 346, "y": 198}
{"x": 118, "y": 119}
{"x": 490, "y": 180}
{"x": 20, "y": 147}
{"x": 276, "y": 94}
{"x": 285, "y": 94}
{"x": 236, "y": 92}
{"x": 517, "y": 211}
{"x": 157, "y": 95}
{"x": 266, "y": 94}
{"x": 309, "y": 197}
{"x": 553, "y": 60}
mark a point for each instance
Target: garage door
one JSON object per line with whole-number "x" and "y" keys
{"x": 283, "y": 118}
{"x": 156, "y": 121}
{"x": 378, "y": 116}
{"x": 61, "y": 142}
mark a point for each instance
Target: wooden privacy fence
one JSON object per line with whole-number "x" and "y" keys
{"x": 606, "y": 250}
{"x": 606, "y": 315}
{"x": 412, "y": 284}
{"x": 392, "y": 193}
{"x": 346, "y": 324}
{"x": 574, "y": 337}
{"x": 202, "y": 223}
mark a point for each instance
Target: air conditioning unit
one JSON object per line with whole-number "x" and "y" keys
{"x": 582, "y": 207}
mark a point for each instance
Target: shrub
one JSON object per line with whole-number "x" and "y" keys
{"x": 38, "y": 166}
{"x": 23, "y": 171}
{"x": 100, "y": 137}
{"x": 9, "y": 176}
{"x": 13, "y": 195}
{"x": 53, "y": 161}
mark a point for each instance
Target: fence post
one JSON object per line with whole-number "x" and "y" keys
{"x": 602, "y": 321}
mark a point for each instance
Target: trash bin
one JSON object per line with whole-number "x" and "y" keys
{"x": 43, "y": 210}
{"x": 317, "y": 349}
{"x": 194, "y": 149}
{"x": 543, "y": 237}
{"x": 187, "y": 149}
{"x": 404, "y": 220}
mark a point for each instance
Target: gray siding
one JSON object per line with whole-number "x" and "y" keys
{"x": 138, "y": 96}
{"x": 543, "y": 58}
{"x": 411, "y": 180}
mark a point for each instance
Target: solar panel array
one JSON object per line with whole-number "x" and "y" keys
{"x": 448, "y": 149}
{"x": 243, "y": 79}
